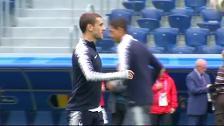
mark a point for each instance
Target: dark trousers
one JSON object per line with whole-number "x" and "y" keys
{"x": 137, "y": 115}
{"x": 85, "y": 118}
{"x": 197, "y": 120}
{"x": 161, "y": 119}
{"x": 118, "y": 115}
{"x": 219, "y": 109}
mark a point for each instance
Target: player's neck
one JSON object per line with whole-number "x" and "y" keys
{"x": 89, "y": 37}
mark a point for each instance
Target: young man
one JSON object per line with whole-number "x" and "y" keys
{"x": 135, "y": 56}
{"x": 83, "y": 105}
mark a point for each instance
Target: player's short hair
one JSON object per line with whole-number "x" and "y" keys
{"x": 87, "y": 18}
{"x": 119, "y": 22}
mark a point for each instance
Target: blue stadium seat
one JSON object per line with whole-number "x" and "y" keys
{"x": 211, "y": 19}
{"x": 180, "y": 21}
{"x": 196, "y": 5}
{"x": 211, "y": 15}
{"x": 139, "y": 33}
{"x": 196, "y": 36}
{"x": 183, "y": 11}
{"x": 134, "y": 5}
{"x": 182, "y": 50}
{"x": 106, "y": 45}
{"x": 210, "y": 50}
{"x": 219, "y": 37}
{"x": 150, "y": 19}
{"x": 121, "y": 13}
{"x": 165, "y": 5}
{"x": 151, "y": 13}
{"x": 149, "y": 23}
{"x": 165, "y": 37}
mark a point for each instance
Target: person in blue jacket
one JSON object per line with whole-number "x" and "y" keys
{"x": 197, "y": 84}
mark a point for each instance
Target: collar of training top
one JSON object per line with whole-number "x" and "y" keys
{"x": 90, "y": 44}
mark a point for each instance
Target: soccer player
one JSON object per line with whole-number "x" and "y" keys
{"x": 83, "y": 104}
{"x": 135, "y": 56}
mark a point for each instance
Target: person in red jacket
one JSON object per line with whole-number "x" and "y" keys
{"x": 164, "y": 100}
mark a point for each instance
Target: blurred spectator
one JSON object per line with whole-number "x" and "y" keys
{"x": 164, "y": 100}
{"x": 197, "y": 84}
{"x": 219, "y": 95}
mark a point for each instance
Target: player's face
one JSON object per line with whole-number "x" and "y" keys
{"x": 98, "y": 28}
{"x": 116, "y": 33}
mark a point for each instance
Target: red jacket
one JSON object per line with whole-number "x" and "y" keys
{"x": 170, "y": 89}
{"x": 102, "y": 98}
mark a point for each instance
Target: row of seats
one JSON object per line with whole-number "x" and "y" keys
{"x": 178, "y": 18}
{"x": 165, "y": 39}
{"x": 165, "y": 5}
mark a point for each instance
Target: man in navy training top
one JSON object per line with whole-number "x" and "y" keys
{"x": 135, "y": 56}
{"x": 83, "y": 104}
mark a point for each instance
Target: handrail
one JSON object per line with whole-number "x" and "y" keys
{"x": 1, "y": 20}
{"x": 74, "y": 36}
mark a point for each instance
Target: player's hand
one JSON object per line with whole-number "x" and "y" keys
{"x": 159, "y": 86}
{"x": 130, "y": 74}
{"x": 172, "y": 110}
{"x": 111, "y": 85}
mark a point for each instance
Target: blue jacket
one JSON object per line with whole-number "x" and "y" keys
{"x": 135, "y": 56}
{"x": 197, "y": 91}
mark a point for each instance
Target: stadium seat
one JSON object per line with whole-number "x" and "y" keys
{"x": 219, "y": 37}
{"x": 165, "y": 5}
{"x": 196, "y": 5}
{"x": 211, "y": 15}
{"x": 165, "y": 37}
{"x": 139, "y": 33}
{"x": 134, "y": 5}
{"x": 151, "y": 13}
{"x": 183, "y": 11}
{"x": 211, "y": 19}
{"x": 196, "y": 36}
{"x": 180, "y": 21}
{"x": 150, "y": 19}
{"x": 182, "y": 50}
{"x": 106, "y": 45}
{"x": 121, "y": 13}
{"x": 209, "y": 50}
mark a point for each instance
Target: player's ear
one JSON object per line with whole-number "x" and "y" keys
{"x": 89, "y": 27}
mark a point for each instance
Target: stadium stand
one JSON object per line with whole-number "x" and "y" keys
{"x": 37, "y": 87}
